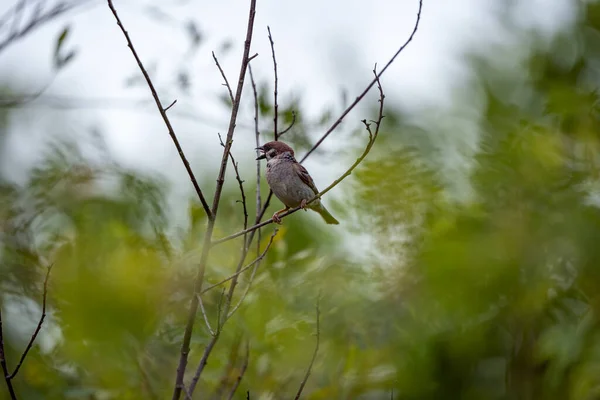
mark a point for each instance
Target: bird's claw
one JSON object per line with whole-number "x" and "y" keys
{"x": 277, "y": 219}
{"x": 303, "y": 204}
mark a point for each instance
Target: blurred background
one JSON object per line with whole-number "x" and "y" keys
{"x": 466, "y": 264}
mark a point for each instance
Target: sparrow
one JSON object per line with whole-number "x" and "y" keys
{"x": 290, "y": 181}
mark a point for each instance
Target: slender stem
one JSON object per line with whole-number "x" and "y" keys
{"x": 163, "y": 113}
{"x": 247, "y": 267}
{"x": 187, "y": 336}
{"x": 9, "y": 385}
{"x": 39, "y": 325}
{"x": 369, "y": 86}
{"x": 275, "y": 104}
{"x": 224, "y": 317}
{"x": 224, "y": 77}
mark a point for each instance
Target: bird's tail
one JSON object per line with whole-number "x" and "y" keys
{"x": 330, "y": 219}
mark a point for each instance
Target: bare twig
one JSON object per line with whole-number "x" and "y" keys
{"x": 39, "y": 325}
{"x": 256, "y": 265}
{"x": 242, "y": 372}
{"x": 5, "y": 372}
{"x": 312, "y": 361}
{"x": 188, "y": 396}
{"x": 247, "y": 267}
{"x": 372, "y": 138}
{"x": 224, "y": 77}
{"x": 170, "y": 105}
{"x": 369, "y": 86}
{"x": 239, "y": 303}
{"x": 187, "y": 336}
{"x": 203, "y": 361}
{"x": 275, "y": 105}
{"x": 163, "y": 113}
{"x": 210, "y": 329}
{"x": 257, "y": 141}
{"x": 222, "y": 320}
{"x": 240, "y": 183}
{"x": 286, "y": 130}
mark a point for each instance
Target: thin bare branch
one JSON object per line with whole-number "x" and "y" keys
{"x": 369, "y": 86}
{"x": 9, "y": 386}
{"x": 286, "y": 130}
{"x": 247, "y": 267}
{"x": 162, "y": 112}
{"x": 187, "y": 336}
{"x": 39, "y": 325}
{"x": 275, "y": 91}
{"x": 372, "y": 138}
{"x": 171, "y": 105}
{"x": 223, "y": 319}
{"x": 256, "y": 265}
{"x": 257, "y": 142}
{"x": 242, "y": 372}
{"x": 312, "y": 361}
{"x": 210, "y": 329}
{"x": 224, "y": 77}
{"x": 240, "y": 183}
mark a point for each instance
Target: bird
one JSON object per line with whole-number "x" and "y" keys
{"x": 290, "y": 181}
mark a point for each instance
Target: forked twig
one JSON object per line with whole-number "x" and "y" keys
{"x": 247, "y": 267}
{"x": 9, "y": 386}
{"x": 224, "y": 77}
{"x": 222, "y": 320}
{"x": 187, "y": 335}
{"x": 240, "y": 183}
{"x": 162, "y": 112}
{"x": 369, "y": 86}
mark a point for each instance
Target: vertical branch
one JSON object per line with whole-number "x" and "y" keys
{"x": 312, "y": 361}
{"x": 225, "y": 312}
{"x": 187, "y": 336}
{"x": 240, "y": 184}
{"x": 275, "y": 105}
{"x": 39, "y": 325}
{"x": 163, "y": 113}
{"x": 257, "y": 142}
{"x": 9, "y": 385}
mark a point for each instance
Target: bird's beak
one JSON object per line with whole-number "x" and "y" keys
{"x": 263, "y": 155}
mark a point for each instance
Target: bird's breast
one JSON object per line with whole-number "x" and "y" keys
{"x": 286, "y": 184}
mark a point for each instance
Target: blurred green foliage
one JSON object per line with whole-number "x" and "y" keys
{"x": 492, "y": 295}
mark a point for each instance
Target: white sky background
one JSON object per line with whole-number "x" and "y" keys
{"x": 322, "y": 46}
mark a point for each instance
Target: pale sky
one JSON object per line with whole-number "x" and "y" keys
{"x": 322, "y": 46}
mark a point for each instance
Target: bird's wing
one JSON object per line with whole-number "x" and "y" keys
{"x": 305, "y": 176}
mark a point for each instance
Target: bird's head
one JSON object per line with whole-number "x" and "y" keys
{"x": 271, "y": 150}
